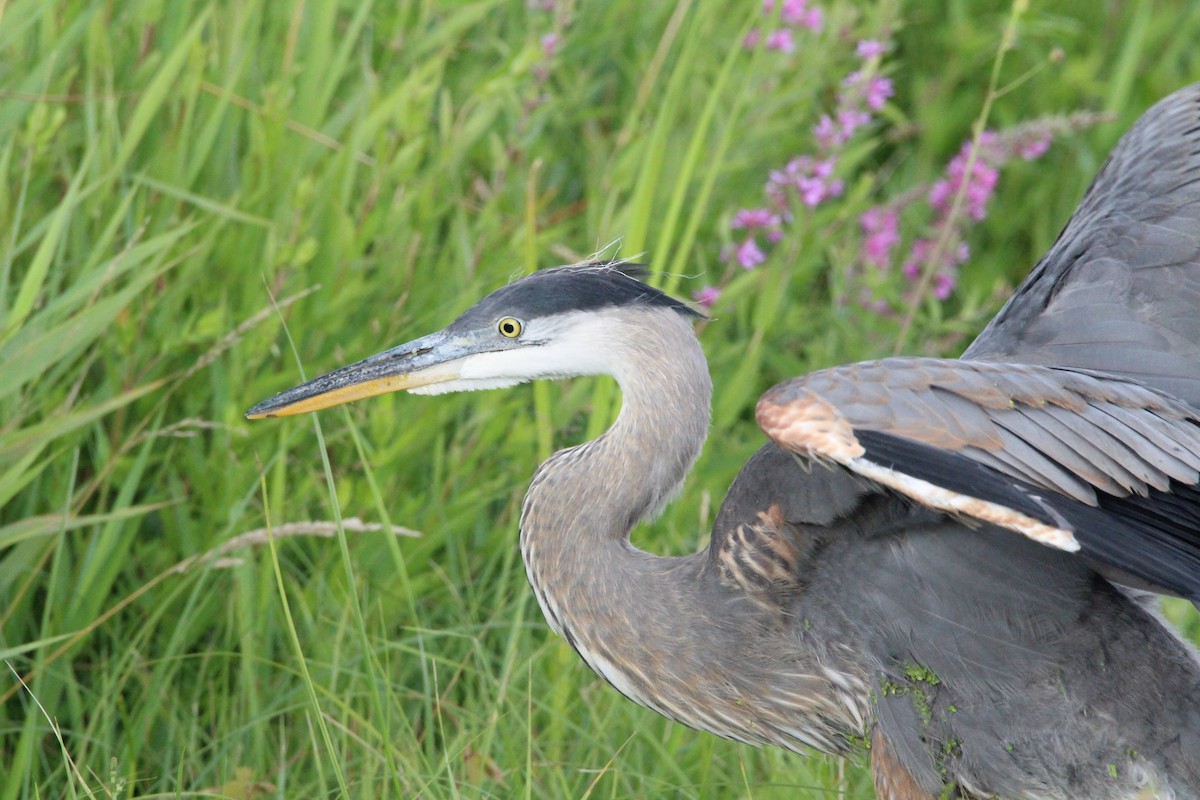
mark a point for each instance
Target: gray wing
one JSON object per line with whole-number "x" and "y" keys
{"x": 1119, "y": 291}
{"x": 1075, "y": 460}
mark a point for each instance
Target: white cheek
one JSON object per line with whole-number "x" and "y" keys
{"x": 562, "y": 358}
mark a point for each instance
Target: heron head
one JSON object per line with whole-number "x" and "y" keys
{"x": 555, "y": 323}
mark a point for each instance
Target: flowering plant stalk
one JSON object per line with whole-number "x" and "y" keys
{"x": 908, "y": 248}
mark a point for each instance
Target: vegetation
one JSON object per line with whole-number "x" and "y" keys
{"x": 207, "y": 200}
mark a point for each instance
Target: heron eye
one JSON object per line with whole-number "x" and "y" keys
{"x": 510, "y": 327}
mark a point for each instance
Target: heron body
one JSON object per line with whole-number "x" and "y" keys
{"x": 949, "y": 560}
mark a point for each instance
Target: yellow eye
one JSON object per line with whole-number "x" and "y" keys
{"x": 510, "y": 327}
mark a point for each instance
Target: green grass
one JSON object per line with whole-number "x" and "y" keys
{"x": 185, "y": 178}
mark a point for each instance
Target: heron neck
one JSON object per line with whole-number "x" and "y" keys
{"x": 584, "y": 501}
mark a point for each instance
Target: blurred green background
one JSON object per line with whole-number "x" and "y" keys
{"x": 185, "y": 178}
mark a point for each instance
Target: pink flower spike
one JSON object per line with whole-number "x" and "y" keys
{"x": 550, "y": 44}
{"x": 777, "y": 196}
{"x": 850, "y": 120}
{"x": 921, "y": 250}
{"x": 814, "y": 191}
{"x": 943, "y": 285}
{"x": 794, "y": 12}
{"x": 869, "y": 48}
{"x": 768, "y": 7}
{"x": 751, "y": 218}
{"x": 939, "y": 196}
{"x": 878, "y": 91}
{"x": 814, "y": 20}
{"x": 748, "y": 254}
{"x": 882, "y": 226}
{"x": 706, "y": 296}
{"x": 877, "y": 250}
{"x": 877, "y": 219}
{"x": 827, "y": 133}
{"x": 980, "y": 188}
{"x": 781, "y": 40}
{"x": 752, "y": 39}
{"x": 1034, "y": 148}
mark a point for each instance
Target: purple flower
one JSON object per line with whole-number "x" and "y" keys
{"x": 550, "y": 44}
{"x": 939, "y": 195}
{"x": 874, "y": 90}
{"x": 944, "y": 281}
{"x": 980, "y": 191}
{"x": 781, "y": 40}
{"x": 808, "y": 177}
{"x": 748, "y": 254}
{"x": 917, "y": 256}
{"x": 882, "y": 228}
{"x": 794, "y": 12}
{"x": 869, "y": 48}
{"x": 980, "y": 186}
{"x": 827, "y": 133}
{"x": 943, "y": 285}
{"x": 751, "y": 218}
{"x": 980, "y": 183}
{"x": 809, "y": 180}
{"x": 706, "y": 296}
{"x": 814, "y": 20}
{"x": 989, "y": 145}
{"x": 812, "y": 190}
{"x": 850, "y": 120}
{"x": 1031, "y": 149}
{"x": 797, "y": 13}
{"x": 879, "y": 89}
{"x": 815, "y": 191}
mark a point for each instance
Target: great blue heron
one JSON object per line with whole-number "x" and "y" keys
{"x": 944, "y": 558}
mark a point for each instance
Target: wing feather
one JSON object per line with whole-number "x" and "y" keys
{"x": 1053, "y": 465}
{"x": 1093, "y": 461}
{"x": 1067, "y": 457}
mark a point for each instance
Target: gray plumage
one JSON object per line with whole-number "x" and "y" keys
{"x": 935, "y": 557}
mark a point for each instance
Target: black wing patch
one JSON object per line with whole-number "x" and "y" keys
{"x": 1155, "y": 538}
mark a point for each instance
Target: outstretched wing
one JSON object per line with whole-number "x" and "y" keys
{"x": 1119, "y": 291}
{"x": 1076, "y": 460}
